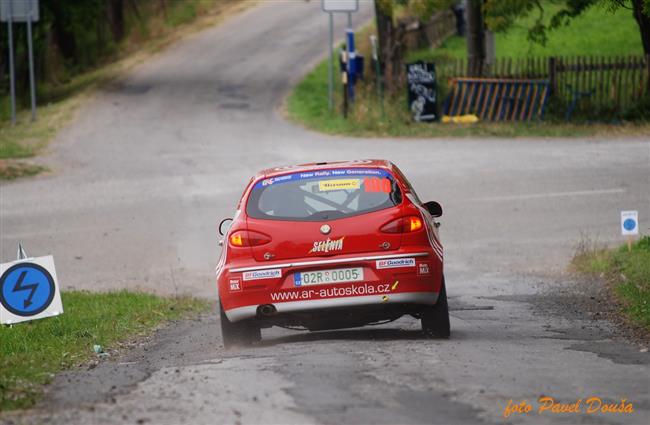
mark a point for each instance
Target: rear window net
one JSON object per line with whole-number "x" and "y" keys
{"x": 323, "y": 194}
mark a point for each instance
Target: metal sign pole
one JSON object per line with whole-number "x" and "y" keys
{"x": 331, "y": 67}
{"x": 12, "y": 71}
{"x": 21, "y": 254}
{"x": 331, "y": 7}
{"x": 30, "y": 47}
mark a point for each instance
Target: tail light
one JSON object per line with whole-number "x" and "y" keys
{"x": 407, "y": 224}
{"x": 242, "y": 238}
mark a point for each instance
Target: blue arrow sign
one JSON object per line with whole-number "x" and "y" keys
{"x": 26, "y": 289}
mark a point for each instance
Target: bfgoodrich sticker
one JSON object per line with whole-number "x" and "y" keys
{"x": 396, "y": 262}
{"x": 263, "y": 274}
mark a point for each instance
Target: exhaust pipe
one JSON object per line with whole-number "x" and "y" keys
{"x": 266, "y": 310}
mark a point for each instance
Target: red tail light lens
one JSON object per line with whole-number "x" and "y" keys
{"x": 403, "y": 225}
{"x": 248, "y": 238}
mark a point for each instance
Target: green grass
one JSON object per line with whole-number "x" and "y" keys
{"x": 10, "y": 149}
{"x": 180, "y": 13}
{"x": 628, "y": 272}
{"x": 307, "y": 105}
{"x": 596, "y": 32}
{"x": 587, "y": 34}
{"x": 58, "y": 102}
{"x": 15, "y": 169}
{"x": 31, "y": 353}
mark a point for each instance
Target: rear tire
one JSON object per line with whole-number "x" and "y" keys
{"x": 435, "y": 318}
{"x": 242, "y": 333}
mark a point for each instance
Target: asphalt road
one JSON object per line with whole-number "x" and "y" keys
{"x": 150, "y": 165}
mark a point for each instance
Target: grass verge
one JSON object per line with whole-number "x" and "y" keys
{"x": 626, "y": 272}
{"x": 11, "y": 170}
{"x": 58, "y": 103}
{"x": 584, "y": 36}
{"x": 31, "y": 353}
{"x": 307, "y": 105}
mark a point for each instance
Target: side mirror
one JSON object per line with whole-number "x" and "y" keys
{"x": 224, "y": 226}
{"x": 434, "y": 208}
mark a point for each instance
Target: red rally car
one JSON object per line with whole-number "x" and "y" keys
{"x": 329, "y": 246}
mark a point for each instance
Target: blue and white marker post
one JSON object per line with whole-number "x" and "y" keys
{"x": 331, "y": 7}
{"x": 352, "y": 54}
{"x": 629, "y": 226}
{"x": 28, "y": 289}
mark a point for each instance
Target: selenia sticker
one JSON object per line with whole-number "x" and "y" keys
{"x": 346, "y": 184}
{"x": 328, "y": 245}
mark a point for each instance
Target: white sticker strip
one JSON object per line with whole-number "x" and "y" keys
{"x": 263, "y": 274}
{"x": 395, "y": 263}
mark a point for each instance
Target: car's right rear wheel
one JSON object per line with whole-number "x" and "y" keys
{"x": 238, "y": 333}
{"x": 435, "y": 318}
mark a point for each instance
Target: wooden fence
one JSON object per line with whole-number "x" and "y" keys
{"x": 438, "y": 28}
{"x": 589, "y": 84}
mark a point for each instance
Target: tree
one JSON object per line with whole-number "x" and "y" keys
{"x": 476, "y": 52}
{"x": 501, "y": 15}
{"x": 390, "y": 36}
{"x": 116, "y": 18}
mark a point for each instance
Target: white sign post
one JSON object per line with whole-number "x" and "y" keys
{"x": 29, "y": 290}
{"x": 332, "y": 7}
{"x": 629, "y": 226}
{"x": 20, "y": 11}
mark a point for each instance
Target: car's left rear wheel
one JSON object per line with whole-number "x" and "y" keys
{"x": 238, "y": 333}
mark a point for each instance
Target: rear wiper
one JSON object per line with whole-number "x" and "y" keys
{"x": 327, "y": 214}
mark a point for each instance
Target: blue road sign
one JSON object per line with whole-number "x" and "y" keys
{"x": 629, "y": 224}
{"x": 26, "y": 289}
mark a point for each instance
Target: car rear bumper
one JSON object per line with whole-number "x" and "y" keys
{"x": 244, "y": 289}
{"x": 251, "y": 311}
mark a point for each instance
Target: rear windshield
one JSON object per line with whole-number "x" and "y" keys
{"x": 323, "y": 195}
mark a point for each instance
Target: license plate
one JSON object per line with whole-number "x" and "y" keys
{"x": 324, "y": 277}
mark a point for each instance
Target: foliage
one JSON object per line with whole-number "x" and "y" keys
{"x": 15, "y": 170}
{"x": 390, "y": 34}
{"x": 584, "y": 37}
{"x": 501, "y": 15}
{"x": 421, "y": 9}
{"x": 308, "y": 105}
{"x": 32, "y": 352}
{"x": 74, "y": 36}
{"x": 628, "y": 272}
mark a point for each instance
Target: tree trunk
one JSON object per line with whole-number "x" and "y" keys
{"x": 384, "y": 20}
{"x": 62, "y": 36}
{"x": 391, "y": 46}
{"x": 116, "y": 18}
{"x": 395, "y": 58}
{"x": 643, "y": 21}
{"x": 475, "y": 37}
